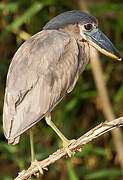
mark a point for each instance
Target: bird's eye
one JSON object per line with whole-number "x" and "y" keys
{"x": 88, "y": 26}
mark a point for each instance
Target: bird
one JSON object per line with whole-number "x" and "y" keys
{"x": 46, "y": 68}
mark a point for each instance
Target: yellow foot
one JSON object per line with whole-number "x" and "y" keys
{"x": 66, "y": 145}
{"x": 36, "y": 163}
{"x": 79, "y": 150}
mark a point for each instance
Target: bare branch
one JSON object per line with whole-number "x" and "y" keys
{"x": 86, "y": 138}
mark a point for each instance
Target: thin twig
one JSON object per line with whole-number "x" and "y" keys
{"x": 86, "y": 138}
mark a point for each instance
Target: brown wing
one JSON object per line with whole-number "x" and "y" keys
{"x": 40, "y": 74}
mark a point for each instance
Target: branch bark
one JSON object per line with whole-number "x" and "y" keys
{"x": 80, "y": 142}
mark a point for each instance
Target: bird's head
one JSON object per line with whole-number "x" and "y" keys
{"x": 87, "y": 27}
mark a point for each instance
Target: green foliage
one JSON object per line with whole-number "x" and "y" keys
{"x": 71, "y": 172}
{"x": 80, "y": 110}
{"x": 106, "y": 173}
{"x": 31, "y": 11}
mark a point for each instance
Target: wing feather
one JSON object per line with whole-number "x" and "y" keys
{"x": 40, "y": 74}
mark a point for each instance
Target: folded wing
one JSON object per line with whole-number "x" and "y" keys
{"x": 42, "y": 71}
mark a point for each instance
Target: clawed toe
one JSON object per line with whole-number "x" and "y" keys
{"x": 36, "y": 163}
{"x": 79, "y": 150}
{"x": 66, "y": 144}
{"x": 69, "y": 152}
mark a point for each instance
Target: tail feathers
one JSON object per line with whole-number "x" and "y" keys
{"x": 14, "y": 141}
{"x": 19, "y": 118}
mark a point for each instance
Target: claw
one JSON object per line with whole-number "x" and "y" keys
{"x": 80, "y": 149}
{"x": 69, "y": 152}
{"x": 45, "y": 168}
{"x": 66, "y": 144}
{"x": 36, "y": 163}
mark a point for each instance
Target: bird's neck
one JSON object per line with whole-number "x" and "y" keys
{"x": 72, "y": 30}
{"x": 84, "y": 49}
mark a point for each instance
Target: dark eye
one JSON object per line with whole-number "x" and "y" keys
{"x": 88, "y": 26}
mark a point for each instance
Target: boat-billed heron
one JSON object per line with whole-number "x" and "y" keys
{"x": 46, "y": 67}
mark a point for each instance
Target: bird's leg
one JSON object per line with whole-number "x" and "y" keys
{"x": 34, "y": 162}
{"x": 65, "y": 141}
{"x": 32, "y": 145}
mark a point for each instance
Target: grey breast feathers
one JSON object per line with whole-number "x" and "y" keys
{"x": 40, "y": 74}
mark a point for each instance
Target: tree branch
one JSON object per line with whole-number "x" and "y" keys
{"x": 86, "y": 138}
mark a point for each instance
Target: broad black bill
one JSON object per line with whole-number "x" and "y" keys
{"x": 99, "y": 40}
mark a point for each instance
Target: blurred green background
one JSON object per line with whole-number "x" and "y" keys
{"x": 80, "y": 110}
